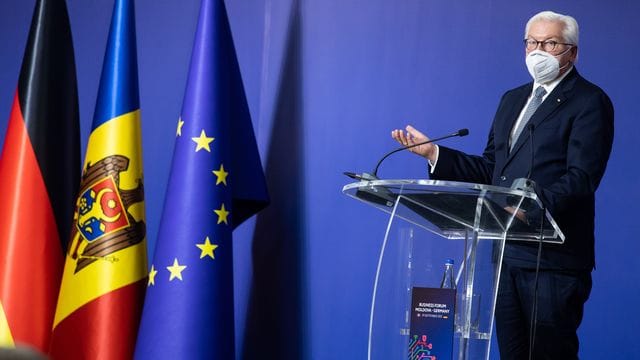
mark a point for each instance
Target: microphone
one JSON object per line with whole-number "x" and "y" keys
{"x": 526, "y": 183}
{"x": 381, "y": 195}
{"x": 374, "y": 174}
{"x": 361, "y": 177}
{"x": 530, "y": 127}
{"x": 461, "y": 132}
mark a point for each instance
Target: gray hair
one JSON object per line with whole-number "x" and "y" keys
{"x": 569, "y": 31}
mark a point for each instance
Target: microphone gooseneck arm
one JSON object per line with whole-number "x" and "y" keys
{"x": 530, "y": 127}
{"x": 461, "y": 132}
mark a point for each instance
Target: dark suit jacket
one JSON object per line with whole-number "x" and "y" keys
{"x": 572, "y": 136}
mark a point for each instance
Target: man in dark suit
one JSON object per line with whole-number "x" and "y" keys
{"x": 570, "y": 122}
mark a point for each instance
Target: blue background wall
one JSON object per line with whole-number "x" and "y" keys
{"x": 326, "y": 81}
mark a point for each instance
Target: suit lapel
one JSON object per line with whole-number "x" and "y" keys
{"x": 507, "y": 118}
{"x": 512, "y": 113}
{"x": 556, "y": 99}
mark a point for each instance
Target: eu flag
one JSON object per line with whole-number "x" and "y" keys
{"x": 216, "y": 183}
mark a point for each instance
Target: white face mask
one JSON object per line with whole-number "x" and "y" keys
{"x": 545, "y": 67}
{"x": 542, "y": 66}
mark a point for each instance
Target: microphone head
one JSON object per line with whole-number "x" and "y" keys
{"x": 361, "y": 177}
{"x": 463, "y": 132}
{"x": 352, "y": 175}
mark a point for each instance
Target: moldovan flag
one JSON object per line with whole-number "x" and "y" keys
{"x": 216, "y": 183}
{"x": 39, "y": 171}
{"x": 104, "y": 275}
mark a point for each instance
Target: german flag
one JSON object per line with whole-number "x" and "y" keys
{"x": 104, "y": 275}
{"x": 39, "y": 170}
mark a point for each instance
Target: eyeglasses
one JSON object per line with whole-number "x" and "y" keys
{"x": 547, "y": 45}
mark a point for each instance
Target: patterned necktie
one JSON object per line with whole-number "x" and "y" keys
{"x": 531, "y": 109}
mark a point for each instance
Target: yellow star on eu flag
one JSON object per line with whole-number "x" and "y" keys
{"x": 207, "y": 248}
{"x": 203, "y": 141}
{"x": 221, "y": 175}
{"x": 176, "y": 270}
{"x": 222, "y": 215}
{"x": 179, "y": 129}
{"x": 152, "y": 276}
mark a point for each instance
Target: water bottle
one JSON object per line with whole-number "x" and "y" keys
{"x": 447, "y": 277}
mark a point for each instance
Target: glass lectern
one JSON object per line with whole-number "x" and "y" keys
{"x": 431, "y": 221}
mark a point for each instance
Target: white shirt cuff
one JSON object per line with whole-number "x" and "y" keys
{"x": 433, "y": 164}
